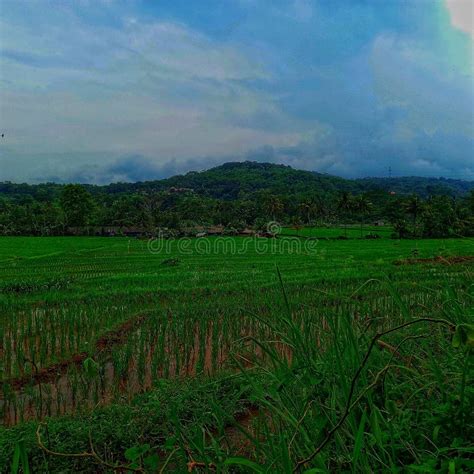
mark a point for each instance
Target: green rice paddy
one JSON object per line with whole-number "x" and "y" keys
{"x": 236, "y": 354}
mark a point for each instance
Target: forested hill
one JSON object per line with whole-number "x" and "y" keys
{"x": 236, "y": 180}
{"x": 230, "y": 179}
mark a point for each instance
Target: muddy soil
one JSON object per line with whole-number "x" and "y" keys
{"x": 104, "y": 343}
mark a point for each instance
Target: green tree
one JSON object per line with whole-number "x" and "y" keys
{"x": 414, "y": 206}
{"x": 470, "y": 202}
{"x": 77, "y": 205}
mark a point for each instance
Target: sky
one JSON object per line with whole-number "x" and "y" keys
{"x": 101, "y": 91}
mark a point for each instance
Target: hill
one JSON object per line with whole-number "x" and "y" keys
{"x": 236, "y": 180}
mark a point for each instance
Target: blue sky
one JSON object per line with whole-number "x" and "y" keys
{"x": 109, "y": 90}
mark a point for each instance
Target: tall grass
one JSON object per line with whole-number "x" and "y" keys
{"x": 348, "y": 403}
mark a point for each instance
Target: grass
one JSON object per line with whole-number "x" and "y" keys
{"x": 250, "y": 361}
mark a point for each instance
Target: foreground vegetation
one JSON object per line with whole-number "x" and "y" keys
{"x": 351, "y": 355}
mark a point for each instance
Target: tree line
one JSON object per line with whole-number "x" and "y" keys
{"x": 76, "y": 210}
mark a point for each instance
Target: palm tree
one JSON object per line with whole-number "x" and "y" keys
{"x": 344, "y": 204}
{"x": 304, "y": 210}
{"x": 311, "y": 208}
{"x": 363, "y": 206}
{"x": 274, "y": 206}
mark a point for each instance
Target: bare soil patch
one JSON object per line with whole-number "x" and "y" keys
{"x": 103, "y": 344}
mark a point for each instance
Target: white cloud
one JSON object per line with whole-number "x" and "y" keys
{"x": 178, "y": 50}
{"x": 83, "y": 85}
{"x": 462, "y": 15}
{"x": 157, "y": 89}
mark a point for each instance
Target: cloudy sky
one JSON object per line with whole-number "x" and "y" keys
{"x": 109, "y": 90}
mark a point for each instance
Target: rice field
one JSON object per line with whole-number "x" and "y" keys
{"x": 236, "y": 354}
